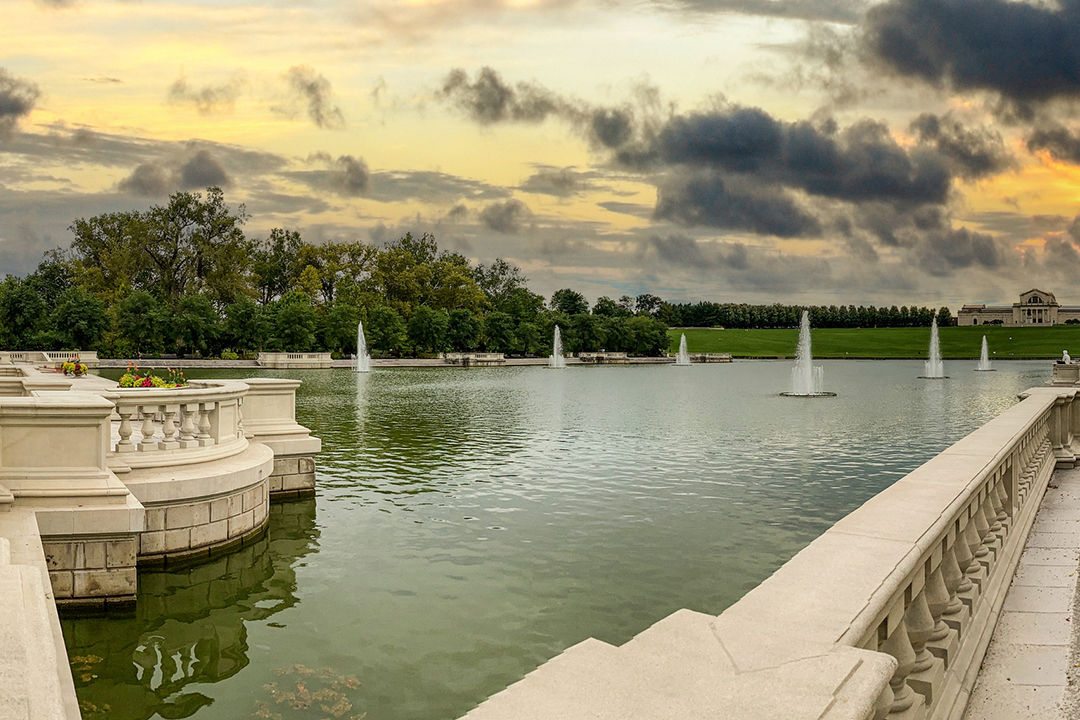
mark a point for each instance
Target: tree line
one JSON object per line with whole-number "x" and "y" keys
{"x": 184, "y": 278}
{"x": 732, "y": 315}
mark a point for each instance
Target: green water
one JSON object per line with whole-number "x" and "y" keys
{"x": 470, "y": 524}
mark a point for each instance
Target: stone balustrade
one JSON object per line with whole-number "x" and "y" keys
{"x": 51, "y": 357}
{"x": 270, "y": 407}
{"x": 289, "y": 360}
{"x": 887, "y": 615}
{"x": 155, "y": 423}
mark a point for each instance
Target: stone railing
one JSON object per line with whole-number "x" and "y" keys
{"x": 286, "y": 360}
{"x": 156, "y": 425}
{"x": 886, "y": 615}
{"x": 52, "y": 357}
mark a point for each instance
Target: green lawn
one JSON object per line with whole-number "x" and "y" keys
{"x": 956, "y": 342}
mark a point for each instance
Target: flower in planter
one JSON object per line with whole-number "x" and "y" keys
{"x": 133, "y": 378}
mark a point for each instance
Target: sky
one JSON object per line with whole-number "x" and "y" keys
{"x": 802, "y": 151}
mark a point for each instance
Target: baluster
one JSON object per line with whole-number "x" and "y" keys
{"x": 125, "y": 412}
{"x": 971, "y": 537}
{"x": 148, "y": 429}
{"x": 1001, "y": 501}
{"x": 883, "y": 703}
{"x": 240, "y": 433}
{"x": 900, "y": 648}
{"x": 205, "y": 439}
{"x": 943, "y": 639}
{"x": 997, "y": 532}
{"x": 168, "y": 429}
{"x": 187, "y": 425}
{"x": 927, "y": 671}
{"x": 982, "y": 529}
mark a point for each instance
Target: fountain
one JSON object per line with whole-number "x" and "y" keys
{"x": 984, "y": 359}
{"x": 934, "y": 368}
{"x": 363, "y": 360}
{"x": 556, "y": 360}
{"x": 684, "y": 355}
{"x": 806, "y": 380}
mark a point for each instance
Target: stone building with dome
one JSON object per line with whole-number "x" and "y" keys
{"x": 1036, "y": 307}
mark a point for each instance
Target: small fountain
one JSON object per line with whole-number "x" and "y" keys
{"x": 684, "y": 355}
{"x": 934, "y": 368}
{"x": 556, "y": 360}
{"x": 984, "y": 359}
{"x": 806, "y": 380}
{"x": 363, "y": 360}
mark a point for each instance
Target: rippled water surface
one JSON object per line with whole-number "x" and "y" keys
{"x": 470, "y": 524}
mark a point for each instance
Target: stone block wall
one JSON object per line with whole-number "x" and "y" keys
{"x": 90, "y": 573}
{"x": 294, "y": 476}
{"x": 181, "y": 532}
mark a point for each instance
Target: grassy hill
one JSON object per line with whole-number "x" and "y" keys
{"x": 956, "y": 342}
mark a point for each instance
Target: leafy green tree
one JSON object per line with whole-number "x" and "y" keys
{"x": 337, "y": 327}
{"x": 528, "y": 338}
{"x": 569, "y": 302}
{"x": 944, "y": 317}
{"x": 608, "y": 307}
{"x": 649, "y": 336}
{"x": 194, "y": 244}
{"x": 427, "y": 329}
{"x": 463, "y": 330}
{"x": 499, "y": 332}
{"x": 273, "y": 263}
{"x": 385, "y": 330}
{"x": 137, "y": 322}
{"x": 246, "y": 326}
{"x": 192, "y": 325}
{"x": 294, "y": 323}
{"x": 22, "y": 313}
{"x": 586, "y": 333}
{"x": 647, "y": 304}
{"x": 78, "y": 319}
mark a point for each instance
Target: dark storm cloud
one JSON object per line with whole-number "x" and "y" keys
{"x": 208, "y": 98}
{"x": 558, "y": 182}
{"x": 859, "y": 163}
{"x": 1061, "y": 142}
{"x": 508, "y": 216}
{"x": 942, "y": 253}
{"x": 147, "y": 180}
{"x": 346, "y": 175}
{"x": 1025, "y": 52}
{"x": 679, "y": 250}
{"x": 315, "y": 92}
{"x": 835, "y": 11}
{"x": 203, "y": 170}
{"x": 17, "y": 98}
{"x": 706, "y": 198}
{"x": 489, "y": 99}
{"x": 973, "y": 152}
{"x": 611, "y": 127}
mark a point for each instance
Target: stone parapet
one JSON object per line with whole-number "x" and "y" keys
{"x": 886, "y": 615}
{"x": 295, "y": 361}
{"x": 292, "y": 477}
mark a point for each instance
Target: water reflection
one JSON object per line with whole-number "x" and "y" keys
{"x": 190, "y": 626}
{"x": 473, "y": 523}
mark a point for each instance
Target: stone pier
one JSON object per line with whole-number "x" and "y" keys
{"x": 96, "y": 481}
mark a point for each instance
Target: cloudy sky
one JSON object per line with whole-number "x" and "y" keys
{"x": 910, "y": 151}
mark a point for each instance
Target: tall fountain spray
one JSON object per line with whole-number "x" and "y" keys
{"x": 556, "y": 360}
{"x": 806, "y": 380}
{"x": 684, "y": 355}
{"x": 934, "y": 368}
{"x": 984, "y": 358}
{"x": 363, "y": 360}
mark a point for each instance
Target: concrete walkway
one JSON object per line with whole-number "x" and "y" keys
{"x": 1030, "y": 667}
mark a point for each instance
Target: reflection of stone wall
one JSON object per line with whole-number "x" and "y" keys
{"x": 188, "y": 627}
{"x": 292, "y": 477}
